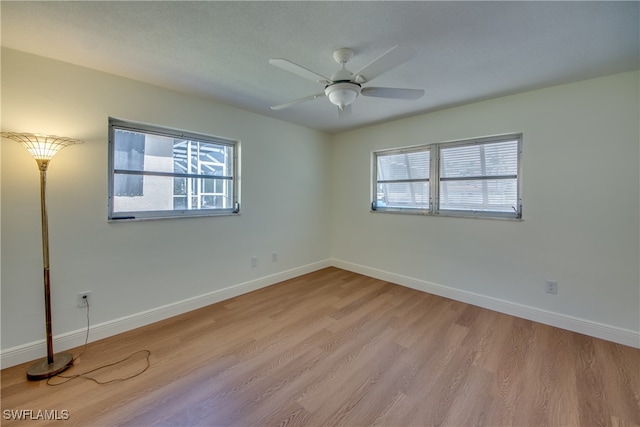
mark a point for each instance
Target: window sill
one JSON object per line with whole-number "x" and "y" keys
{"x": 133, "y": 217}
{"x": 421, "y": 212}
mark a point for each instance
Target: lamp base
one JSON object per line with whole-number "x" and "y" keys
{"x": 42, "y": 369}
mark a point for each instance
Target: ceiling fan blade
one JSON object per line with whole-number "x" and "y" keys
{"x": 385, "y": 62}
{"x": 345, "y": 111}
{"x": 297, "y": 101}
{"x": 392, "y": 92}
{"x": 299, "y": 70}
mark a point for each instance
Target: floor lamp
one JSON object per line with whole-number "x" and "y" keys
{"x": 43, "y": 148}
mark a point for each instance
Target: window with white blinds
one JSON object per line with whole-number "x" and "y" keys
{"x": 479, "y": 177}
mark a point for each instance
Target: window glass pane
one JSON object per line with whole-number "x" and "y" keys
{"x": 497, "y": 195}
{"x": 403, "y": 195}
{"x": 490, "y": 159}
{"x": 413, "y": 165}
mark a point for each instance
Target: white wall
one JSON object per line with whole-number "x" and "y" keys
{"x": 581, "y": 188}
{"x": 135, "y": 267}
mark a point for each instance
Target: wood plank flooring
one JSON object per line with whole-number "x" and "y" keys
{"x": 334, "y": 348}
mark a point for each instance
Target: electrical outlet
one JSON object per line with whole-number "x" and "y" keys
{"x": 83, "y": 299}
{"x": 274, "y": 256}
{"x": 254, "y": 261}
{"x": 551, "y": 287}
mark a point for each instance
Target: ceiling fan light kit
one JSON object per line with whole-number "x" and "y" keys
{"x": 344, "y": 87}
{"x": 342, "y": 94}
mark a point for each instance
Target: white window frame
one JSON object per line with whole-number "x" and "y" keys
{"x": 434, "y": 208}
{"x": 193, "y": 211}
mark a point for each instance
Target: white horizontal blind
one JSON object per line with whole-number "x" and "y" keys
{"x": 403, "y": 179}
{"x": 479, "y": 176}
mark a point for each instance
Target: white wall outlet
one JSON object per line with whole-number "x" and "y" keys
{"x": 83, "y": 299}
{"x": 551, "y": 287}
{"x": 274, "y": 256}
{"x": 254, "y": 261}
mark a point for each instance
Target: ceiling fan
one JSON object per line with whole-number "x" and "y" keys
{"x": 344, "y": 86}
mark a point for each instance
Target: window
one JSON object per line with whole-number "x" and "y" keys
{"x": 157, "y": 173}
{"x": 479, "y": 178}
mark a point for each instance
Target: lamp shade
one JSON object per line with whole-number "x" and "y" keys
{"x": 41, "y": 147}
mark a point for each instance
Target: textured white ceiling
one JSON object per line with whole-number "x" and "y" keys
{"x": 466, "y": 51}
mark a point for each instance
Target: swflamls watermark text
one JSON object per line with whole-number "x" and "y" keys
{"x": 36, "y": 414}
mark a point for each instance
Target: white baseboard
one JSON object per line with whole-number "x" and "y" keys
{"x": 563, "y": 321}
{"x": 37, "y": 349}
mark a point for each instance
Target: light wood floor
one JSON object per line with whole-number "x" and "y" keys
{"x": 336, "y": 348}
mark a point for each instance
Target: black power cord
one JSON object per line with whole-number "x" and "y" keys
{"x": 84, "y": 374}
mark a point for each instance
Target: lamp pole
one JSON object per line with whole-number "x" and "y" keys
{"x": 42, "y": 165}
